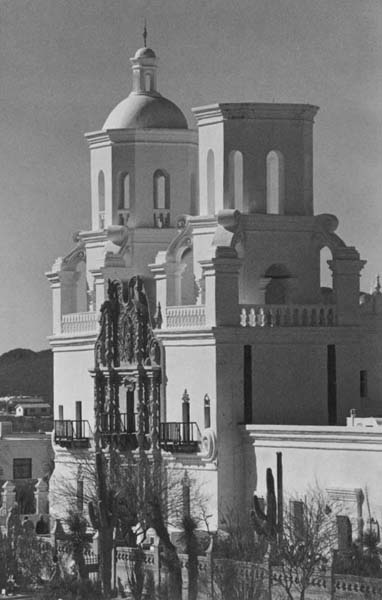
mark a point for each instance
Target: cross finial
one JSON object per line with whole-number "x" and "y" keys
{"x": 145, "y": 34}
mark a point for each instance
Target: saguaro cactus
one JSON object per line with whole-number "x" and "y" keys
{"x": 270, "y": 524}
{"x": 265, "y": 523}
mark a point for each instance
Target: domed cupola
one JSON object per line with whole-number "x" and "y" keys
{"x": 144, "y": 160}
{"x": 145, "y": 107}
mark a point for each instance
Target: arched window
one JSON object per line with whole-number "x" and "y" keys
{"x": 124, "y": 199}
{"x": 210, "y": 182}
{"x": 326, "y": 279}
{"x": 101, "y": 199}
{"x": 236, "y": 179}
{"x": 207, "y": 412}
{"x": 161, "y": 199}
{"x": 148, "y": 82}
{"x": 275, "y": 183}
{"x": 124, "y": 194}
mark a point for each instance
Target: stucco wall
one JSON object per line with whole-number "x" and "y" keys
{"x": 72, "y": 381}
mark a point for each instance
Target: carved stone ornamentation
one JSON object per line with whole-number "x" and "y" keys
{"x": 127, "y": 353}
{"x": 209, "y": 445}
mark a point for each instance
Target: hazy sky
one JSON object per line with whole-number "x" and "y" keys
{"x": 64, "y": 64}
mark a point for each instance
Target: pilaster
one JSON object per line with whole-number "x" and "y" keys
{"x": 221, "y": 277}
{"x": 346, "y": 267}
{"x": 64, "y": 294}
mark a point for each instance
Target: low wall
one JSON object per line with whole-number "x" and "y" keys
{"x": 224, "y": 578}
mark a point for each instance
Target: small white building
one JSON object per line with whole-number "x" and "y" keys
{"x": 33, "y": 409}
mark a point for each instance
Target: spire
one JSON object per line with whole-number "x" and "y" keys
{"x": 145, "y": 34}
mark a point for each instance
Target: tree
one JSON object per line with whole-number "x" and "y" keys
{"x": 33, "y": 556}
{"x": 128, "y": 487}
{"x": 78, "y": 541}
{"x": 306, "y": 543}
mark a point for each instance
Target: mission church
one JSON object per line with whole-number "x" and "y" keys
{"x": 224, "y": 344}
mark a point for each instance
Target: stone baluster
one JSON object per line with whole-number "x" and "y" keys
{"x": 8, "y": 495}
{"x": 41, "y": 495}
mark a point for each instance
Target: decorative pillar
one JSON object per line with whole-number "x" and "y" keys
{"x": 64, "y": 293}
{"x": 99, "y": 288}
{"x": 42, "y": 497}
{"x": 159, "y": 272}
{"x": 174, "y": 283}
{"x": 186, "y": 485}
{"x": 153, "y": 379}
{"x": 8, "y": 495}
{"x": 346, "y": 267}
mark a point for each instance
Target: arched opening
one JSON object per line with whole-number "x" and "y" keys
{"x": 210, "y": 182}
{"x": 275, "y": 183}
{"x": 148, "y": 82}
{"x": 326, "y": 280}
{"x": 161, "y": 199}
{"x": 124, "y": 199}
{"x": 82, "y": 298}
{"x": 188, "y": 286}
{"x": 235, "y": 163}
{"x": 101, "y": 199}
{"x": 207, "y": 412}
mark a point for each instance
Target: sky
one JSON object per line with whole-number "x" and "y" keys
{"x": 65, "y": 64}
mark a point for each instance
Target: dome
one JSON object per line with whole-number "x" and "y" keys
{"x": 145, "y": 111}
{"x": 145, "y": 53}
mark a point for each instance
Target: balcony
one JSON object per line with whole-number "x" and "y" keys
{"x": 185, "y": 317}
{"x": 161, "y": 218}
{"x": 122, "y": 429}
{"x": 288, "y": 315}
{"x": 72, "y": 434}
{"x": 80, "y": 323}
{"x": 180, "y": 437}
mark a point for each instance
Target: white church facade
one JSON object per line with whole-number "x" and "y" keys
{"x": 256, "y": 356}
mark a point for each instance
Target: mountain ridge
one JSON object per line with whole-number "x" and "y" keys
{"x": 25, "y": 372}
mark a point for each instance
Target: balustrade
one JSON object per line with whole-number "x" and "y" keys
{"x": 288, "y": 315}
{"x": 161, "y": 218}
{"x": 179, "y": 317}
{"x": 79, "y": 323}
{"x": 123, "y": 216}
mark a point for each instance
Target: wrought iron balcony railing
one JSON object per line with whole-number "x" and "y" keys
{"x": 70, "y": 433}
{"x": 180, "y": 436}
{"x": 121, "y": 423}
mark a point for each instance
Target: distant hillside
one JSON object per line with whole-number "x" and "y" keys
{"x": 27, "y": 373}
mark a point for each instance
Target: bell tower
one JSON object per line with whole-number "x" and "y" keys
{"x": 256, "y": 157}
{"x": 144, "y": 160}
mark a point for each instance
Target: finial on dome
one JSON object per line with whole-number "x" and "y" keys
{"x": 145, "y": 34}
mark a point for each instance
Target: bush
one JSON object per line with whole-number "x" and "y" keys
{"x": 70, "y": 589}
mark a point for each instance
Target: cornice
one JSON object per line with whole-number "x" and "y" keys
{"x": 264, "y": 222}
{"x": 189, "y": 337}
{"x": 63, "y": 343}
{"x": 99, "y": 139}
{"x": 314, "y": 437}
{"x": 287, "y": 335}
{"x": 218, "y": 113}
